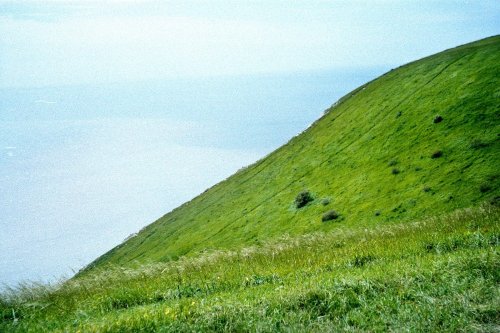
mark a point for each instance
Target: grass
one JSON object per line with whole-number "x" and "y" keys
{"x": 371, "y": 152}
{"x": 438, "y": 274}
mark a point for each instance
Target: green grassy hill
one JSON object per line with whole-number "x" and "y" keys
{"x": 410, "y": 163}
{"x": 370, "y": 158}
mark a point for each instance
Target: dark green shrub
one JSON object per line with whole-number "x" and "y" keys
{"x": 437, "y": 154}
{"x": 426, "y": 189}
{"x": 438, "y": 119}
{"x": 395, "y": 171}
{"x": 303, "y": 198}
{"x": 485, "y": 187}
{"x": 377, "y": 213}
{"x": 478, "y": 144}
{"x": 393, "y": 162}
{"x": 330, "y": 215}
{"x": 325, "y": 201}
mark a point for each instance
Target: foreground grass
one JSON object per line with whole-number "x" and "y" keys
{"x": 439, "y": 274}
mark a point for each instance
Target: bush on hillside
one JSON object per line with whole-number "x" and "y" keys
{"x": 395, "y": 171}
{"x": 484, "y": 187}
{"x": 303, "y": 198}
{"x": 437, "y": 154}
{"x": 330, "y": 215}
{"x": 438, "y": 119}
{"x": 478, "y": 144}
{"x": 392, "y": 162}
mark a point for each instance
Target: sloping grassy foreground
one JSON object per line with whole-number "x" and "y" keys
{"x": 420, "y": 140}
{"x": 439, "y": 274}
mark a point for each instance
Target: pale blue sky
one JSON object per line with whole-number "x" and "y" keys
{"x": 44, "y": 43}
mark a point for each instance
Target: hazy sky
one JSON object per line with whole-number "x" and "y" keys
{"x": 45, "y": 43}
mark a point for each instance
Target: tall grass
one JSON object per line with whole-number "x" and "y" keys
{"x": 441, "y": 273}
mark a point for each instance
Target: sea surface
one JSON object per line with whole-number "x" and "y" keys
{"x": 83, "y": 167}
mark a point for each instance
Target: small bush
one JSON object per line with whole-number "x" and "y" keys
{"x": 325, "y": 201}
{"x": 485, "y": 187}
{"x": 330, "y": 215}
{"x": 303, "y": 198}
{"x": 437, "y": 154}
{"x": 438, "y": 119}
{"x": 377, "y": 213}
{"x": 395, "y": 171}
{"x": 393, "y": 162}
{"x": 478, "y": 144}
{"x": 426, "y": 189}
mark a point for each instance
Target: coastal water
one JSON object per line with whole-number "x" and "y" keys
{"x": 83, "y": 167}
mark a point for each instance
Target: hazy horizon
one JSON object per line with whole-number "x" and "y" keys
{"x": 53, "y": 43}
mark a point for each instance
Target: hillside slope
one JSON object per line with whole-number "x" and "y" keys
{"x": 377, "y": 156}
